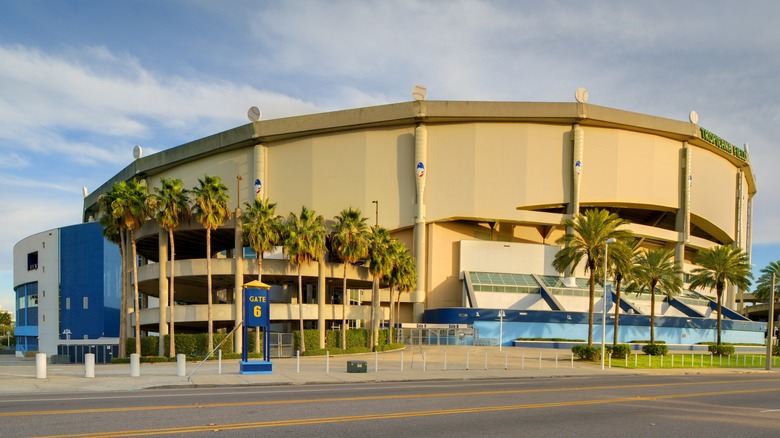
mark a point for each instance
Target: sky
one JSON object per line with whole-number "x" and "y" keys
{"x": 83, "y": 81}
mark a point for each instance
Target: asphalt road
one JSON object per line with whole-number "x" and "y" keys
{"x": 637, "y": 406}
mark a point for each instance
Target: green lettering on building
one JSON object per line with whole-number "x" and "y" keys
{"x": 723, "y": 144}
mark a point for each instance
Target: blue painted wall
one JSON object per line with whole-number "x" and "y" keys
{"x": 88, "y": 270}
{"x": 532, "y": 324}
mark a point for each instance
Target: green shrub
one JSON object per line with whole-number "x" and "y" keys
{"x": 776, "y": 350}
{"x": 619, "y": 351}
{"x": 586, "y": 352}
{"x": 721, "y": 350}
{"x": 655, "y": 349}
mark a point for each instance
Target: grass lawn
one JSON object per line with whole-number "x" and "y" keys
{"x": 694, "y": 360}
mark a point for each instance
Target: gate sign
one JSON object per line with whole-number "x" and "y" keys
{"x": 256, "y": 308}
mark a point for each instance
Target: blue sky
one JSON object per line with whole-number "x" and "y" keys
{"x": 83, "y": 81}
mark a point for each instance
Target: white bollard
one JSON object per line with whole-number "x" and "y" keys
{"x": 219, "y": 361}
{"x": 556, "y": 361}
{"x": 540, "y": 360}
{"x": 467, "y": 360}
{"x": 89, "y": 365}
{"x": 506, "y": 361}
{"x": 40, "y": 366}
{"x": 376, "y": 361}
{"x": 135, "y": 365}
{"x": 298, "y": 361}
{"x": 486, "y": 366}
{"x": 181, "y": 365}
{"x": 402, "y": 360}
{"x": 327, "y": 362}
{"x": 424, "y": 362}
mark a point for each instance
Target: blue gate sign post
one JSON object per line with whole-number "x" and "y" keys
{"x": 256, "y": 314}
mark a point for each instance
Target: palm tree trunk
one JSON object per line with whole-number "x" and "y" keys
{"x": 719, "y": 290}
{"x": 172, "y": 342}
{"x": 123, "y": 295}
{"x": 137, "y": 309}
{"x": 592, "y": 286}
{"x": 300, "y": 311}
{"x": 652, "y": 315}
{"x": 208, "y": 292}
{"x": 617, "y": 312}
{"x": 259, "y": 278}
{"x": 375, "y": 312}
{"x": 344, "y": 298}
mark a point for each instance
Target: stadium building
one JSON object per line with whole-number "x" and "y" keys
{"x": 477, "y": 191}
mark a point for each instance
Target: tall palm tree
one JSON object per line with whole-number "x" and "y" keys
{"x": 171, "y": 205}
{"x": 304, "y": 241}
{"x": 591, "y": 230}
{"x": 764, "y": 283}
{"x": 130, "y": 207}
{"x": 402, "y": 278}
{"x": 719, "y": 266}
{"x": 379, "y": 265}
{"x": 656, "y": 269}
{"x": 262, "y": 232}
{"x": 210, "y": 208}
{"x": 622, "y": 257}
{"x": 349, "y": 240}
{"x": 113, "y": 231}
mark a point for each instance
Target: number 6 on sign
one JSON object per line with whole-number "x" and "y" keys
{"x": 258, "y": 311}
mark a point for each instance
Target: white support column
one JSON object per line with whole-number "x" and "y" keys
{"x": 321, "y": 301}
{"x": 683, "y": 222}
{"x": 578, "y": 145}
{"x": 162, "y": 245}
{"x": 420, "y": 255}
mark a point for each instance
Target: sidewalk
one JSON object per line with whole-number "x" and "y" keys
{"x": 18, "y": 376}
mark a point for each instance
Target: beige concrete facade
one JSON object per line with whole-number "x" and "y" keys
{"x": 491, "y": 171}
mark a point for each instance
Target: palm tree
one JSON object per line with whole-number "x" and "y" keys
{"x": 304, "y": 241}
{"x": 621, "y": 261}
{"x": 210, "y": 207}
{"x": 402, "y": 277}
{"x": 656, "y": 269}
{"x": 379, "y": 265}
{"x": 349, "y": 241}
{"x": 262, "y": 232}
{"x": 129, "y": 205}
{"x": 719, "y": 266}
{"x": 114, "y": 231}
{"x": 764, "y": 283}
{"x": 171, "y": 205}
{"x": 591, "y": 230}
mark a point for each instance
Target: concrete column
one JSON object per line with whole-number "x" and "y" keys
{"x": 739, "y": 230}
{"x": 135, "y": 365}
{"x": 40, "y": 366}
{"x": 683, "y": 220}
{"x": 89, "y": 365}
{"x": 420, "y": 255}
{"x": 162, "y": 247}
{"x": 238, "y": 281}
{"x": 321, "y": 300}
{"x": 578, "y": 145}
{"x": 259, "y": 153}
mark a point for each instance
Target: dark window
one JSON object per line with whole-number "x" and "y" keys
{"x": 32, "y": 261}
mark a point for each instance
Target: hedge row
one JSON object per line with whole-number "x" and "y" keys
{"x": 197, "y": 344}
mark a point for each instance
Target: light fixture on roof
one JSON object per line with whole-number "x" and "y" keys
{"x": 693, "y": 117}
{"x": 581, "y": 94}
{"x": 254, "y": 114}
{"x": 419, "y": 92}
{"x": 85, "y": 191}
{"x": 137, "y": 152}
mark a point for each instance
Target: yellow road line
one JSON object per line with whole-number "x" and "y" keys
{"x": 359, "y": 398}
{"x": 399, "y": 415}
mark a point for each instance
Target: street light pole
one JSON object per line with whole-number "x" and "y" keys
{"x": 770, "y": 329}
{"x": 501, "y": 316}
{"x": 604, "y": 302}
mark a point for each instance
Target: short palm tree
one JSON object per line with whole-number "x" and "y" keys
{"x": 349, "y": 240}
{"x": 379, "y": 265}
{"x": 717, "y": 267}
{"x": 656, "y": 269}
{"x": 114, "y": 231}
{"x": 210, "y": 208}
{"x": 764, "y": 282}
{"x": 622, "y": 257}
{"x": 402, "y": 278}
{"x": 587, "y": 239}
{"x": 171, "y": 206}
{"x": 262, "y": 232}
{"x": 130, "y": 206}
{"x": 304, "y": 241}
